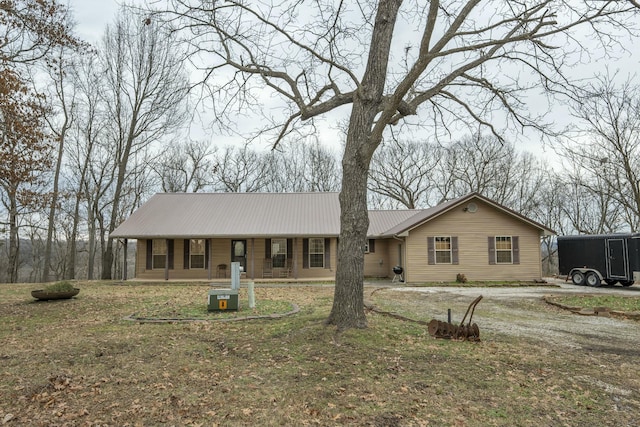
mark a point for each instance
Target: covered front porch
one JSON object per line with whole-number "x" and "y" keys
{"x": 291, "y": 258}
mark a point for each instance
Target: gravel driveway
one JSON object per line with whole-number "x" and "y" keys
{"x": 522, "y": 311}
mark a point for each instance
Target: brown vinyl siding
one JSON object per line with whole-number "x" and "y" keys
{"x": 472, "y": 231}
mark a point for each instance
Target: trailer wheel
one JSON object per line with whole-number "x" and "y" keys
{"x": 577, "y": 277}
{"x": 627, "y": 283}
{"x": 610, "y": 282}
{"x": 592, "y": 279}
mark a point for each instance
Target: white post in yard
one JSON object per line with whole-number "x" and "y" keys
{"x": 252, "y": 295}
{"x": 235, "y": 276}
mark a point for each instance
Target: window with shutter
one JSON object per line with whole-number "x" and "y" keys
{"x": 197, "y": 250}
{"x": 504, "y": 247}
{"x": 279, "y": 252}
{"x": 443, "y": 250}
{"x": 316, "y": 253}
{"x": 159, "y": 253}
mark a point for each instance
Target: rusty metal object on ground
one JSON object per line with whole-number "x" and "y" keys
{"x": 465, "y": 332}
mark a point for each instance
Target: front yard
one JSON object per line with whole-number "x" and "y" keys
{"x": 79, "y": 362}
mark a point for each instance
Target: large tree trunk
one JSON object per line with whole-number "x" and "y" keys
{"x": 362, "y": 141}
{"x": 348, "y": 300}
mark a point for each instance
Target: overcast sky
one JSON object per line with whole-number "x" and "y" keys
{"x": 92, "y": 16}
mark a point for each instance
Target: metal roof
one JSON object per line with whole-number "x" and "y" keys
{"x": 380, "y": 222}
{"x": 190, "y": 215}
{"x": 186, "y": 215}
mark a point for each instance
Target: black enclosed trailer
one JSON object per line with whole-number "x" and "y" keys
{"x": 591, "y": 259}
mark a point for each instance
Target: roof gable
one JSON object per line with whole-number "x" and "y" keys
{"x": 436, "y": 211}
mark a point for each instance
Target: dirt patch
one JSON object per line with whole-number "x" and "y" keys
{"x": 521, "y": 312}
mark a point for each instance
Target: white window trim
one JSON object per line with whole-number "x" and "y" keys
{"x": 282, "y": 244}
{"x": 155, "y": 254}
{"x": 436, "y": 250}
{"x": 316, "y": 253}
{"x": 203, "y": 254}
{"x": 503, "y": 250}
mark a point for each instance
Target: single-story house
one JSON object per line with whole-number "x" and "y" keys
{"x": 295, "y": 235}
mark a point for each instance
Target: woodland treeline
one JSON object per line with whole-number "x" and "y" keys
{"x": 90, "y": 132}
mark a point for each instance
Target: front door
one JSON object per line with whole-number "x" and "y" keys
{"x": 617, "y": 259}
{"x": 239, "y": 253}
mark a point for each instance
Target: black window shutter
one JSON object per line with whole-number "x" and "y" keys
{"x": 267, "y": 248}
{"x": 206, "y": 253}
{"x": 431, "y": 252}
{"x": 327, "y": 253}
{"x": 187, "y": 248}
{"x": 305, "y": 253}
{"x": 454, "y": 250}
{"x": 289, "y": 248}
{"x": 515, "y": 244}
{"x": 372, "y": 246}
{"x": 170, "y": 253}
{"x": 492, "y": 250}
{"x": 149, "y": 254}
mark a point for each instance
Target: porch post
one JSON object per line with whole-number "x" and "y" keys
{"x": 166, "y": 260}
{"x": 253, "y": 256}
{"x": 295, "y": 258}
{"x": 210, "y": 258}
{"x": 124, "y": 267}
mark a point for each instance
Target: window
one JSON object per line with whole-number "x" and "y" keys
{"x": 196, "y": 253}
{"x": 369, "y": 246}
{"x": 443, "y": 250}
{"x": 279, "y": 252}
{"x": 503, "y": 250}
{"x": 316, "y": 253}
{"x": 159, "y": 252}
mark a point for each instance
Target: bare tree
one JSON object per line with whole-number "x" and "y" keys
{"x": 404, "y": 172}
{"x": 62, "y": 94}
{"x": 322, "y": 55}
{"x": 144, "y": 93}
{"x": 606, "y": 147}
{"x": 301, "y": 167}
{"x": 88, "y": 130}
{"x": 588, "y": 206}
{"x": 239, "y": 169}
{"x": 481, "y": 164}
{"x": 184, "y": 167}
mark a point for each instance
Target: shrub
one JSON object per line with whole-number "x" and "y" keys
{"x": 461, "y": 278}
{"x": 64, "y": 286}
